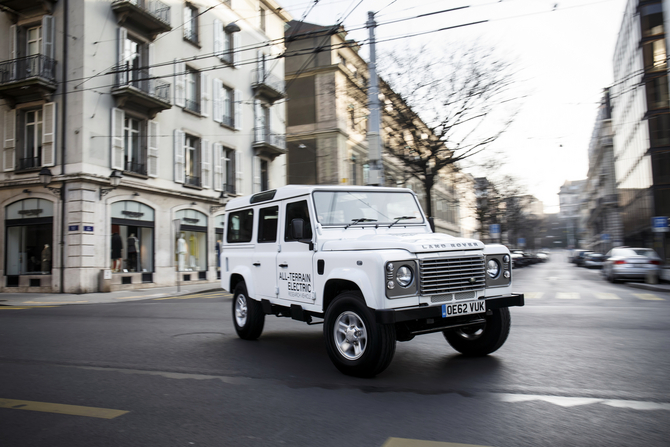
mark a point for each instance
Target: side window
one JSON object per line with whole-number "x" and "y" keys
{"x": 240, "y": 226}
{"x": 267, "y": 224}
{"x": 297, "y": 210}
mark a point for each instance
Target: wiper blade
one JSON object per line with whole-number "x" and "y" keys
{"x": 360, "y": 220}
{"x": 398, "y": 219}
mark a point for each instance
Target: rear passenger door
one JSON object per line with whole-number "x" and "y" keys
{"x": 295, "y": 259}
{"x": 264, "y": 262}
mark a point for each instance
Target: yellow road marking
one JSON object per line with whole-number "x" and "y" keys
{"x": 648, "y": 297}
{"x": 533, "y": 295}
{"x": 401, "y": 442}
{"x": 567, "y": 295}
{"x": 73, "y": 410}
{"x": 607, "y": 296}
{"x": 22, "y": 307}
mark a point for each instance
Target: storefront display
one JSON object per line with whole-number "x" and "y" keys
{"x": 29, "y": 234}
{"x": 191, "y": 243}
{"x": 132, "y": 240}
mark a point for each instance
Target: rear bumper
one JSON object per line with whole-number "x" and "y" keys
{"x": 390, "y": 316}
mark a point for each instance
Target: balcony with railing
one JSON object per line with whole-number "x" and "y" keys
{"x": 267, "y": 85}
{"x": 191, "y": 180}
{"x": 192, "y": 105}
{"x": 17, "y": 6}
{"x": 138, "y": 90}
{"x": 150, "y": 16}
{"x": 28, "y": 78}
{"x": 269, "y": 144}
{"x": 136, "y": 167}
{"x": 29, "y": 163}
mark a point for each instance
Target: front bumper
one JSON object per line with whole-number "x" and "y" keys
{"x": 391, "y": 316}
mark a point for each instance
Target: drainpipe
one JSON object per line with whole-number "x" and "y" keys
{"x": 66, "y": 13}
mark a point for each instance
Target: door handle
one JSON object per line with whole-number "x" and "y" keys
{"x": 283, "y": 265}
{"x": 257, "y": 264}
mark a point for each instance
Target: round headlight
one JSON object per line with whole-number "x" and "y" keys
{"x": 493, "y": 268}
{"x": 404, "y": 276}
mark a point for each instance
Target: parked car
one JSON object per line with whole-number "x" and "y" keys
{"x": 581, "y": 257}
{"x": 543, "y": 255}
{"x": 631, "y": 263}
{"x": 574, "y": 254}
{"x": 594, "y": 260}
{"x": 518, "y": 260}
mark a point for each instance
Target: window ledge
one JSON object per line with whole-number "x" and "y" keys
{"x": 193, "y": 112}
{"x": 199, "y": 188}
{"x": 226, "y": 126}
{"x": 195, "y": 44}
{"x": 135, "y": 174}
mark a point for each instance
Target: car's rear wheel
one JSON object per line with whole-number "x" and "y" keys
{"x": 356, "y": 344}
{"x": 248, "y": 316}
{"x": 482, "y": 339}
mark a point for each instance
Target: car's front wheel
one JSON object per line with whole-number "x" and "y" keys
{"x": 248, "y": 315}
{"x": 356, "y": 344}
{"x": 483, "y": 339}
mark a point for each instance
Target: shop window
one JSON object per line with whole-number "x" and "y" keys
{"x": 219, "y": 223}
{"x": 132, "y": 239}
{"x": 29, "y": 235}
{"x": 240, "y": 226}
{"x": 191, "y": 242}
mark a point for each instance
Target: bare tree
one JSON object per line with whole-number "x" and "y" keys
{"x": 446, "y": 108}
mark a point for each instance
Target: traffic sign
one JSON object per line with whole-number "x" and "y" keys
{"x": 659, "y": 224}
{"x": 495, "y": 229}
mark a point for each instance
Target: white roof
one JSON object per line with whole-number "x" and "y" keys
{"x": 290, "y": 191}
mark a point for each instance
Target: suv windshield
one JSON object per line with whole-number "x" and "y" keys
{"x": 377, "y": 208}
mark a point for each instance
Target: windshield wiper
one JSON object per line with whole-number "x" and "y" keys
{"x": 359, "y": 220}
{"x": 398, "y": 219}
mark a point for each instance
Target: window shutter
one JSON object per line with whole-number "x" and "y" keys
{"x": 179, "y": 83}
{"x": 237, "y": 107}
{"x": 13, "y": 50}
{"x": 238, "y": 172}
{"x": 122, "y": 75}
{"x": 204, "y": 94}
{"x": 49, "y": 134}
{"x": 179, "y": 143}
{"x": 150, "y": 63}
{"x": 217, "y": 90}
{"x": 217, "y": 158}
{"x": 206, "y": 168}
{"x": 118, "y": 149}
{"x": 257, "y": 175}
{"x": 218, "y": 38}
{"x": 9, "y": 152}
{"x": 152, "y": 146}
{"x": 259, "y": 122}
{"x": 234, "y": 58}
{"x": 48, "y": 36}
{"x": 260, "y": 66}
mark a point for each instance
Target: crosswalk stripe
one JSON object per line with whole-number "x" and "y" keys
{"x": 607, "y": 296}
{"x": 567, "y": 295}
{"x": 73, "y": 410}
{"x": 648, "y": 297}
{"x": 533, "y": 295}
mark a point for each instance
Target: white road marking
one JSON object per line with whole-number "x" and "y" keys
{"x": 567, "y": 295}
{"x": 533, "y": 295}
{"x": 648, "y": 297}
{"x": 607, "y": 296}
{"x": 565, "y": 401}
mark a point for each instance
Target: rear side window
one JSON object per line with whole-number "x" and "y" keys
{"x": 297, "y": 210}
{"x": 240, "y": 226}
{"x": 267, "y": 224}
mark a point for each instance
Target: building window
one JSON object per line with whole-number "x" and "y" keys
{"x": 265, "y": 176}
{"x": 651, "y": 19}
{"x": 192, "y": 101}
{"x": 192, "y": 160}
{"x": 229, "y": 171}
{"x": 263, "y": 13}
{"x": 659, "y": 130}
{"x": 228, "y": 117}
{"x": 191, "y": 242}
{"x": 28, "y": 245}
{"x": 134, "y": 132}
{"x": 655, "y": 56}
{"x": 191, "y": 23}
{"x": 31, "y": 155}
{"x": 31, "y": 132}
{"x": 34, "y": 40}
{"x": 657, "y": 93}
{"x": 132, "y": 240}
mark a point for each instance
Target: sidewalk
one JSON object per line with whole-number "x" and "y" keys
{"x": 57, "y": 299}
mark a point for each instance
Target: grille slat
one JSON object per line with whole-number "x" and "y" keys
{"x": 452, "y": 275}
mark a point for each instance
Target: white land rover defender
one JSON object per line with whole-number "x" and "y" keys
{"x": 365, "y": 261}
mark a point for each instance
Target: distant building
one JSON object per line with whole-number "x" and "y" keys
{"x": 641, "y": 121}
{"x": 603, "y": 220}
{"x": 570, "y": 202}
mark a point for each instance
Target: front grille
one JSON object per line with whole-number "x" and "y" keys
{"x": 452, "y": 275}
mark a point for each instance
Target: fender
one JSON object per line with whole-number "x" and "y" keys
{"x": 245, "y": 272}
{"x": 360, "y": 278}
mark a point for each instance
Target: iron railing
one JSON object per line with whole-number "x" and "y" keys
{"x": 191, "y": 35}
{"x": 263, "y": 135}
{"x": 156, "y": 8}
{"x": 193, "y": 106}
{"x": 192, "y": 180}
{"x": 29, "y": 163}
{"x": 228, "y": 121}
{"x": 141, "y": 80}
{"x": 28, "y": 67}
{"x": 229, "y": 188}
{"x": 264, "y": 77}
{"x": 137, "y": 168}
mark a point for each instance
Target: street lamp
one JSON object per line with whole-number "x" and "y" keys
{"x": 45, "y": 179}
{"x": 232, "y": 27}
{"x": 223, "y": 199}
{"x": 114, "y": 180}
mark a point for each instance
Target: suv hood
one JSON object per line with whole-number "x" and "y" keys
{"x": 415, "y": 243}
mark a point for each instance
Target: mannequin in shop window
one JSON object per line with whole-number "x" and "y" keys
{"x": 182, "y": 249}
{"x": 46, "y": 259}
{"x": 117, "y": 247}
{"x": 194, "y": 252}
{"x": 133, "y": 249}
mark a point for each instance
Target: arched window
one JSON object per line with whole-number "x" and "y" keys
{"x": 28, "y": 248}
{"x": 132, "y": 248}
{"x": 192, "y": 242}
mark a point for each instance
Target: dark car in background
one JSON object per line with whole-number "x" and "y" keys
{"x": 580, "y": 258}
{"x": 594, "y": 260}
{"x": 631, "y": 263}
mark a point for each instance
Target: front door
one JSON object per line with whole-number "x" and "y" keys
{"x": 295, "y": 260}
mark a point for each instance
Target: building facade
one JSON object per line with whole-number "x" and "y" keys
{"x": 177, "y": 102}
{"x": 326, "y": 82}
{"x": 641, "y": 121}
{"x": 570, "y": 199}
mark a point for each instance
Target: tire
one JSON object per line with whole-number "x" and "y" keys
{"x": 248, "y": 316}
{"x": 481, "y": 340}
{"x": 357, "y": 345}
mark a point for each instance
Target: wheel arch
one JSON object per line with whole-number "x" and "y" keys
{"x": 238, "y": 277}
{"x": 356, "y": 281}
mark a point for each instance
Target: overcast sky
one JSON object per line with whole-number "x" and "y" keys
{"x": 562, "y": 51}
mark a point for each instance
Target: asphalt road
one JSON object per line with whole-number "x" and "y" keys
{"x": 587, "y": 363}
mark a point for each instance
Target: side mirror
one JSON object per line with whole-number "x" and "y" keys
{"x": 297, "y": 229}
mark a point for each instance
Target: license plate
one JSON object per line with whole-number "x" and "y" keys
{"x": 467, "y": 308}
